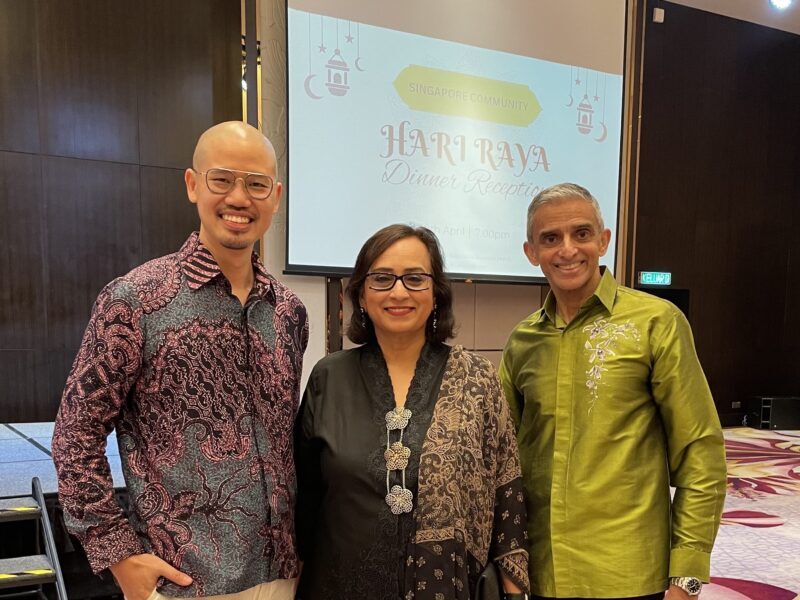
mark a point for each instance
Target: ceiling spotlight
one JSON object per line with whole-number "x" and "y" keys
{"x": 781, "y": 4}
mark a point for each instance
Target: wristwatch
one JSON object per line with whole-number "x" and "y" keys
{"x": 690, "y": 585}
{"x": 515, "y": 596}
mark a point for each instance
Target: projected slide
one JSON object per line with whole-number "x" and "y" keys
{"x": 392, "y": 126}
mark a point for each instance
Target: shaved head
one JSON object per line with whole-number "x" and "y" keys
{"x": 232, "y": 220}
{"x": 233, "y": 133}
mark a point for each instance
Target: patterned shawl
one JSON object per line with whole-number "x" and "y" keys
{"x": 470, "y": 504}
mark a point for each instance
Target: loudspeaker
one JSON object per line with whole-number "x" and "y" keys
{"x": 773, "y": 412}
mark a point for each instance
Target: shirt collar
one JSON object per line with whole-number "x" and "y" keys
{"x": 606, "y": 290}
{"x": 606, "y": 294}
{"x": 199, "y": 267}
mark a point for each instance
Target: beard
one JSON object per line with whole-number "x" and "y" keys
{"x": 236, "y": 243}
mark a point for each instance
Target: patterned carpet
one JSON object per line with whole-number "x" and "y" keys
{"x": 757, "y": 554}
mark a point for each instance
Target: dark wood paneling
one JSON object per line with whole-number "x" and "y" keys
{"x": 88, "y": 88}
{"x": 88, "y": 51}
{"x": 167, "y": 215}
{"x": 226, "y": 60}
{"x": 19, "y": 116}
{"x": 94, "y": 235}
{"x": 22, "y": 266}
{"x": 175, "y": 95}
{"x": 789, "y": 327}
{"x": 718, "y": 189}
{"x": 24, "y": 386}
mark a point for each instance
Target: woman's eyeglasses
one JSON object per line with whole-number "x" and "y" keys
{"x": 413, "y": 282}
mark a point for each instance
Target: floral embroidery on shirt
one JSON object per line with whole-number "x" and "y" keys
{"x": 603, "y": 337}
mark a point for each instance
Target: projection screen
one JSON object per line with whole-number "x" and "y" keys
{"x": 451, "y": 115}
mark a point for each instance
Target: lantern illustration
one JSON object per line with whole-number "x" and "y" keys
{"x": 337, "y": 75}
{"x": 585, "y": 111}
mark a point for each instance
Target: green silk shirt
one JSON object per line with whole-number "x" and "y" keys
{"x": 611, "y": 410}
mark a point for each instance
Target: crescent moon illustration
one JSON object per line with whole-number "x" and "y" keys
{"x": 358, "y": 66}
{"x": 571, "y": 101}
{"x": 603, "y": 135}
{"x": 307, "y": 85}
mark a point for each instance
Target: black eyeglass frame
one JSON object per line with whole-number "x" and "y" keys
{"x": 402, "y": 279}
{"x": 236, "y": 178}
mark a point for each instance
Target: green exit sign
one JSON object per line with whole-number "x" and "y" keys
{"x": 655, "y": 278}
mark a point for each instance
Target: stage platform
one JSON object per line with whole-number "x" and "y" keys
{"x": 25, "y": 453}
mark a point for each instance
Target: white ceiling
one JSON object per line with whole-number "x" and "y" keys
{"x": 755, "y": 11}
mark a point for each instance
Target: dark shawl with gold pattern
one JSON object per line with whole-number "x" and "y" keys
{"x": 470, "y": 503}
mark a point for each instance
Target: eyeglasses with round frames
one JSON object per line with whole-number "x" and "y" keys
{"x": 221, "y": 181}
{"x": 413, "y": 282}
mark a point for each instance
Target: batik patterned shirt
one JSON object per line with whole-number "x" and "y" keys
{"x": 612, "y": 409}
{"x": 202, "y": 392}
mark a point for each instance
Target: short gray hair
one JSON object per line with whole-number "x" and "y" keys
{"x": 558, "y": 193}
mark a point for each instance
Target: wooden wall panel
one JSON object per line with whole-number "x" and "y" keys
{"x": 175, "y": 96}
{"x": 167, "y": 215}
{"x": 25, "y": 394}
{"x": 19, "y": 118}
{"x": 88, "y": 88}
{"x": 225, "y": 54}
{"x": 718, "y": 189}
{"x": 94, "y": 235}
{"x": 22, "y": 265}
{"x": 789, "y": 327}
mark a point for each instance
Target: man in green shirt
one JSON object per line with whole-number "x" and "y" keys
{"x": 612, "y": 408}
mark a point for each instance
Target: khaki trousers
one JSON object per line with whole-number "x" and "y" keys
{"x": 280, "y": 589}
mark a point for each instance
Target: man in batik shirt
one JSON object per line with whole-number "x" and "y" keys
{"x": 612, "y": 409}
{"x": 195, "y": 359}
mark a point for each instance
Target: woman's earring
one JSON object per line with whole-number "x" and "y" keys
{"x": 363, "y": 317}
{"x": 435, "y": 316}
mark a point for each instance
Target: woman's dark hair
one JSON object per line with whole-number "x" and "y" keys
{"x": 360, "y": 333}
